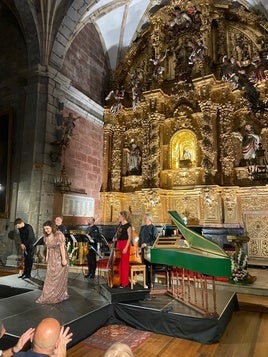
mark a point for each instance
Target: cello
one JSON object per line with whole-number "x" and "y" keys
{"x": 113, "y": 266}
{"x": 134, "y": 256}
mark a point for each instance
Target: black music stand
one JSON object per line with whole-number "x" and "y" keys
{"x": 39, "y": 241}
{"x": 99, "y": 239}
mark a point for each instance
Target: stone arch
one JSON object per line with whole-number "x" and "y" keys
{"x": 28, "y": 27}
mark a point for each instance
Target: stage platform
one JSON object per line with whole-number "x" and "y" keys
{"x": 93, "y": 304}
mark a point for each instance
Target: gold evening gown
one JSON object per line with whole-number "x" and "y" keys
{"x": 55, "y": 285}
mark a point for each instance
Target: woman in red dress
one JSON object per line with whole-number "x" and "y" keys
{"x": 123, "y": 241}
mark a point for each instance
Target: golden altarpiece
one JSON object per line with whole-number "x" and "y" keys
{"x": 186, "y": 122}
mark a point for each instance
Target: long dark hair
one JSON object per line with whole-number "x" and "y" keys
{"x": 50, "y": 224}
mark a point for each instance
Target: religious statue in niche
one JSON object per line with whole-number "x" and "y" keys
{"x": 134, "y": 159}
{"x": 251, "y": 142}
{"x": 185, "y": 159}
{"x": 117, "y": 96}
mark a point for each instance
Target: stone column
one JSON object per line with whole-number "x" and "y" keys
{"x": 32, "y": 150}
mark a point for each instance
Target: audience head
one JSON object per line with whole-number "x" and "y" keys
{"x": 46, "y": 336}
{"x": 49, "y": 227}
{"x": 119, "y": 349}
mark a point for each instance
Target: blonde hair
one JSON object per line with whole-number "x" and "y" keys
{"x": 119, "y": 349}
{"x": 125, "y": 215}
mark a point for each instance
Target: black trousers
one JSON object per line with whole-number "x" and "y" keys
{"x": 92, "y": 261}
{"x": 28, "y": 260}
{"x": 150, "y": 270}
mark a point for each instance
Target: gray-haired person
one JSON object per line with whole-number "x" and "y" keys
{"x": 147, "y": 237}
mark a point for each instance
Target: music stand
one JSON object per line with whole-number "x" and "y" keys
{"x": 39, "y": 241}
{"x": 99, "y": 239}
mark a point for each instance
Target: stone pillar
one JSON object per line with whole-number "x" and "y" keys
{"x": 33, "y": 131}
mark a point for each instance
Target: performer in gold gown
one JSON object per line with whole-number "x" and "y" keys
{"x": 55, "y": 285}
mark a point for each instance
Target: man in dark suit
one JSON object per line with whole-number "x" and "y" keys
{"x": 27, "y": 239}
{"x": 147, "y": 237}
{"x": 93, "y": 234}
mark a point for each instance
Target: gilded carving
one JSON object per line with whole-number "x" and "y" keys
{"x": 230, "y": 205}
{"x": 212, "y": 205}
{"x": 253, "y": 248}
{"x": 190, "y": 92}
{"x": 264, "y": 248}
{"x": 256, "y": 226}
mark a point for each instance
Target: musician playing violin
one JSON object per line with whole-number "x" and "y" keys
{"x": 123, "y": 239}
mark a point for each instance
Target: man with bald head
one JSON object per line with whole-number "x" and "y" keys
{"x": 48, "y": 340}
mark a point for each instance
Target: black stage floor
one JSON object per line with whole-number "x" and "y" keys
{"x": 92, "y": 305}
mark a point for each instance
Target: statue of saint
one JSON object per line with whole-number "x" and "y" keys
{"x": 250, "y": 143}
{"x": 134, "y": 159}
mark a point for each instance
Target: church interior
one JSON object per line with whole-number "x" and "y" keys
{"x": 145, "y": 106}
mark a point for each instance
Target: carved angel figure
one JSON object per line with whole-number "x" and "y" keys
{"x": 117, "y": 96}
{"x": 158, "y": 68}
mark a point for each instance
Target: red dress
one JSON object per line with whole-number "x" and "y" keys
{"x": 122, "y": 238}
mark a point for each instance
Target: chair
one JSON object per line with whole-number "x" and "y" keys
{"x": 134, "y": 269}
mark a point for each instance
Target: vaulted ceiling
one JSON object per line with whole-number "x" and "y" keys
{"x": 118, "y": 21}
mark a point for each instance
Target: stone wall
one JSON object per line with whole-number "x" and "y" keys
{"x": 85, "y": 64}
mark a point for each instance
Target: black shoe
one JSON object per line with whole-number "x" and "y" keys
{"x": 26, "y": 277}
{"x": 92, "y": 276}
{"x": 87, "y": 276}
{"x": 22, "y": 276}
